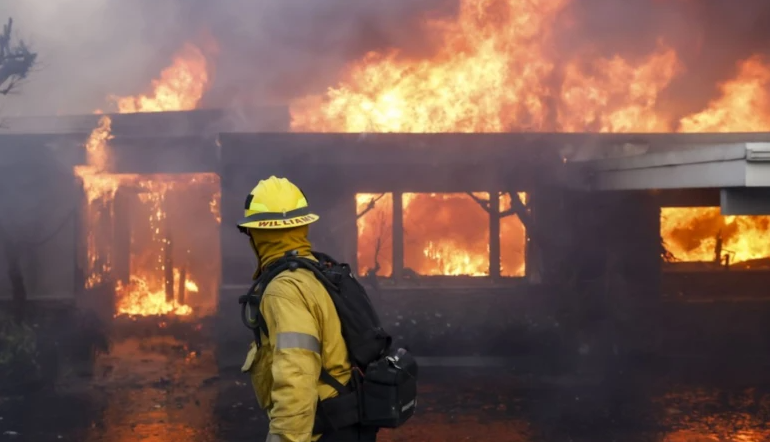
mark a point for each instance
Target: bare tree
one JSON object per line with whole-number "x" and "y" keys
{"x": 16, "y": 61}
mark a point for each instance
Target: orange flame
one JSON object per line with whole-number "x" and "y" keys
{"x": 100, "y": 189}
{"x": 180, "y": 87}
{"x": 703, "y": 234}
{"x": 618, "y": 96}
{"x": 454, "y": 242}
{"x": 488, "y": 75}
{"x": 744, "y": 105}
{"x": 495, "y": 70}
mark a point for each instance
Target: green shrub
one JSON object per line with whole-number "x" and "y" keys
{"x": 18, "y": 351}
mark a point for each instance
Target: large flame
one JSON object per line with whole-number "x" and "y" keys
{"x": 148, "y": 290}
{"x": 495, "y": 69}
{"x": 616, "y": 95}
{"x": 489, "y": 71}
{"x": 180, "y": 86}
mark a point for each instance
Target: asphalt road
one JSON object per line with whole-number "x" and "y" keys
{"x": 158, "y": 389}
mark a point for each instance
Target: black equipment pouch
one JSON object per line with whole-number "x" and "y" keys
{"x": 389, "y": 390}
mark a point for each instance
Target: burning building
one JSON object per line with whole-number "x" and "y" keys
{"x": 492, "y": 168}
{"x": 146, "y": 221}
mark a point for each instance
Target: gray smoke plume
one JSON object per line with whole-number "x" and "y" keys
{"x": 268, "y": 50}
{"x": 271, "y": 51}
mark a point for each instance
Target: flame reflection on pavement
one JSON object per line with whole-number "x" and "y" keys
{"x": 156, "y": 391}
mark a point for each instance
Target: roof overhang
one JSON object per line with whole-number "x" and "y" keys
{"x": 685, "y": 167}
{"x": 740, "y": 170}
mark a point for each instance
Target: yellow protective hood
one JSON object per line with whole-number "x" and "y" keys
{"x": 270, "y": 245}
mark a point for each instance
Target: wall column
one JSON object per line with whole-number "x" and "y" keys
{"x": 121, "y": 234}
{"x": 350, "y": 208}
{"x": 398, "y": 235}
{"x": 494, "y": 234}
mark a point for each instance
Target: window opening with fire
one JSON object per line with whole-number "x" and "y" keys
{"x": 444, "y": 234}
{"x": 704, "y": 235}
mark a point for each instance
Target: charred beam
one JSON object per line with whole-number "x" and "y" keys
{"x": 398, "y": 235}
{"x": 182, "y": 282}
{"x": 485, "y": 204}
{"x": 121, "y": 236}
{"x": 168, "y": 266}
{"x": 350, "y": 207}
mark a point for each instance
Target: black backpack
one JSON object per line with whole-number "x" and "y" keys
{"x": 383, "y": 387}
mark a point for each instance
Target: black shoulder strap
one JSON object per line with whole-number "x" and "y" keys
{"x": 330, "y": 381}
{"x": 250, "y": 315}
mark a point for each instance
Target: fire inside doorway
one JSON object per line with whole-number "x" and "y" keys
{"x": 152, "y": 239}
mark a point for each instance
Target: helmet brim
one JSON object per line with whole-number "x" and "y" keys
{"x": 278, "y": 223}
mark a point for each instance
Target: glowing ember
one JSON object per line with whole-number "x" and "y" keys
{"x": 180, "y": 86}
{"x": 214, "y": 206}
{"x": 191, "y": 286}
{"x": 149, "y": 290}
{"x": 702, "y": 234}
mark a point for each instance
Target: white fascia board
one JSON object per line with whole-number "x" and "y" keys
{"x": 684, "y": 176}
{"x": 677, "y": 155}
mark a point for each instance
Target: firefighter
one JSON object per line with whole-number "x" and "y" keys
{"x": 304, "y": 332}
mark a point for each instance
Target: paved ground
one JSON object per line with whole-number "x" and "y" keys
{"x": 159, "y": 389}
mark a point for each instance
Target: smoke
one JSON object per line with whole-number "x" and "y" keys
{"x": 267, "y": 51}
{"x": 273, "y": 51}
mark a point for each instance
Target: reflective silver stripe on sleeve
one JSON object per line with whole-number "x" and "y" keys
{"x": 297, "y": 340}
{"x": 273, "y": 438}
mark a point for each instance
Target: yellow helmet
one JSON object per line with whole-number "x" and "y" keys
{"x": 276, "y": 203}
